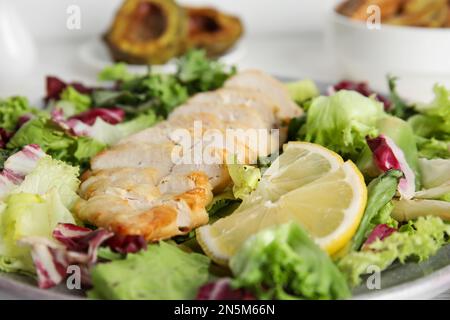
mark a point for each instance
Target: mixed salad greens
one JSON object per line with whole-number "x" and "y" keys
{"x": 402, "y": 148}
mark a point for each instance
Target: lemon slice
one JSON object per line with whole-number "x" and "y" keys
{"x": 310, "y": 185}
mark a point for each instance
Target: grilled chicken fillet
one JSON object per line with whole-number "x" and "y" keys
{"x": 153, "y": 184}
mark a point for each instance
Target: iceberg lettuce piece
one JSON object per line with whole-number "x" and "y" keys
{"x": 26, "y": 215}
{"x": 34, "y": 207}
{"x": 342, "y": 122}
{"x": 52, "y": 174}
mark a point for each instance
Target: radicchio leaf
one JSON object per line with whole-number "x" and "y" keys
{"x": 362, "y": 88}
{"x": 82, "y": 123}
{"x": 387, "y": 155}
{"x": 49, "y": 259}
{"x": 81, "y": 240}
{"x": 126, "y": 244}
{"x": 380, "y": 232}
{"x": 4, "y": 137}
{"x": 75, "y": 127}
{"x": 109, "y": 115}
{"x": 18, "y": 165}
{"x": 56, "y": 86}
{"x": 75, "y": 245}
{"x": 222, "y": 290}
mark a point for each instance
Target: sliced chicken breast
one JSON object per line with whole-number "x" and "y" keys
{"x": 262, "y": 83}
{"x": 153, "y": 184}
{"x": 225, "y": 98}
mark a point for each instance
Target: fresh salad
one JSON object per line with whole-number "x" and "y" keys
{"x": 363, "y": 181}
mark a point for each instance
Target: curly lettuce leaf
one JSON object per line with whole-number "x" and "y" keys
{"x": 284, "y": 263}
{"x": 342, "y": 121}
{"x": 50, "y": 174}
{"x": 56, "y": 142}
{"x": 48, "y": 135}
{"x": 11, "y": 110}
{"x": 162, "y": 272}
{"x": 198, "y": 73}
{"x": 423, "y": 239}
{"x": 86, "y": 148}
{"x": 115, "y": 72}
{"x": 439, "y": 108}
{"x": 167, "y": 91}
{"x": 431, "y": 148}
{"x": 432, "y": 125}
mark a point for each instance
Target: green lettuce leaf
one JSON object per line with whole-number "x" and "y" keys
{"x": 284, "y": 263}
{"x": 421, "y": 240}
{"x": 162, "y": 272}
{"x": 11, "y": 110}
{"x": 42, "y": 131}
{"x": 439, "y": 108}
{"x": 86, "y": 148}
{"x": 380, "y": 193}
{"x": 198, "y": 73}
{"x": 167, "y": 91}
{"x": 431, "y": 148}
{"x": 80, "y": 102}
{"x": 303, "y": 90}
{"x": 109, "y": 134}
{"x": 56, "y": 142}
{"x": 141, "y": 122}
{"x": 115, "y": 72}
{"x": 342, "y": 121}
{"x": 432, "y": 125}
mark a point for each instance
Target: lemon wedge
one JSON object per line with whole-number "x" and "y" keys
{"x": 308, "y": 184}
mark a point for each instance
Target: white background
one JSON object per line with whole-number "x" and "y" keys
{"x": 47, "y": 18}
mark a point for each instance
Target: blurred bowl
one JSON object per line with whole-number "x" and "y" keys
{"x": 418, "y": 56}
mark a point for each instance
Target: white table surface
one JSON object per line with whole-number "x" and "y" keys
{"x": 297, "y": 56}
